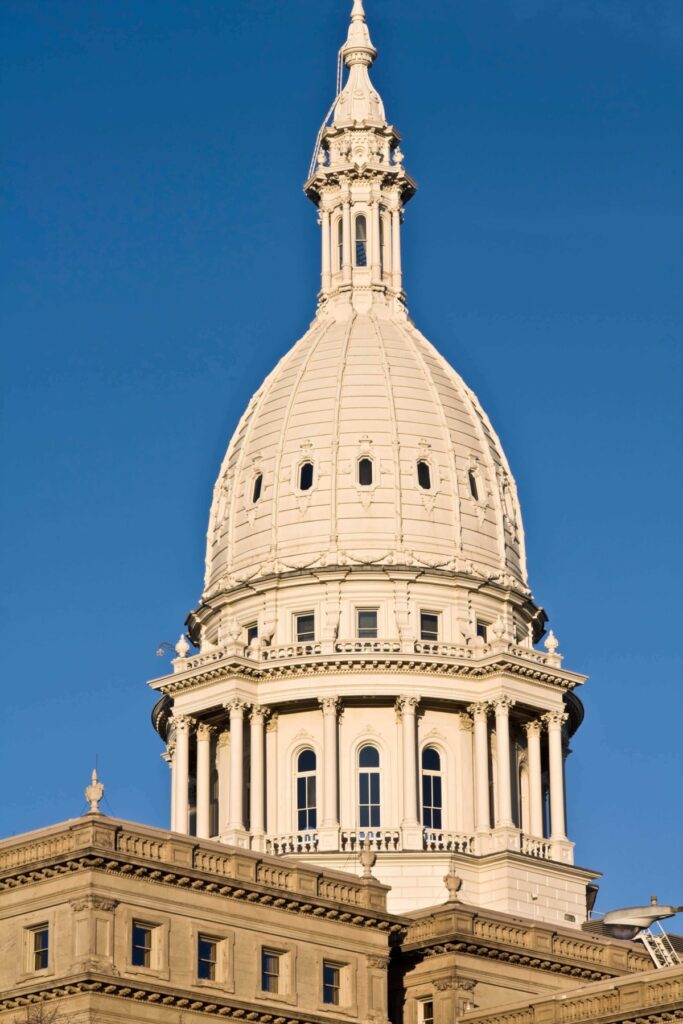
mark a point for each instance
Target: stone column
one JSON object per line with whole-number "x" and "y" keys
{"x": 554, "y": 721}
{"x": 374, "y": 228}
{"x": 479, "y": 712}
{"x": 204, "y": 733}
{"x": 169, "y": 757}
{"x": 346, "y": 221}
{"x": 325, "y": 225}
{"x": 257, "y": 780}
{"x": 182, "y": 772}
{"x": 223, "y": 771}
{"x": 272, "y": 794}
{"x": 502, "y": 709}
{"x": 328, "y": 831}
{"x": 410, "y": 826}
{"x": 397, "y": 279}
{"x": 533, "y": 737}
{"x": 236, "y": 833}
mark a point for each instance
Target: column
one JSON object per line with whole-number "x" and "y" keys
{"x": 169, "y": 757}
{"x": 410, "y": 826}
{"x": 223, "y": 771}
{"x": 346, "y": 220}
{"x": 236, "y": 831}
{"x": 554, "y": 721}
{"x": 273, "y": 824}
{"x": 396, "y": 250}
{"x": 533, "y": 739}
{"x": 328, "y": 831}
{"x": 479, "y": 712}
{"x": 257, "y": 779}
{"x": 464, "y": 813}
{"x": 325, "y": 225}
{"x": 182, "y": 772}
{"x": 502, "y": 709}
{"x": 204, "y": 781}
{"x": 374, "y": 238}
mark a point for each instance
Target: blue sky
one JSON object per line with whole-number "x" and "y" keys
{"x": 161, "y": 256}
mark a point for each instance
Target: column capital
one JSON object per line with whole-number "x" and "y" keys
{"x": 534, "y": 727}
{"x": 271, "y": 724}
{"x": 183, "y": 723}
{"x": 235, "y": 707}
{"x": 479, "y": 709}
{"x": 406, "y": 705}
{"x": 258, "y": 711}
{"x": 555, "y": 719}
{"x": 205, "y": 731}
{"x": 329, "y": 705}
{"x": 501, "y": 705}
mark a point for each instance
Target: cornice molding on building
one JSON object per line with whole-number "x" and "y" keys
{"x": 111, "y": 847}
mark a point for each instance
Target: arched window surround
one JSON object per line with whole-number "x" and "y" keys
{"x": 369, "y": 786}
{"x": 389, "y": 781}
{"x": 306, "y": 789}
{"x": 338, "y": 244}
{"x": 301, "y": 462}
{"x": 361, "y": 248}
{"x": 449, "y": 790}
{"x": 286, "y": 817}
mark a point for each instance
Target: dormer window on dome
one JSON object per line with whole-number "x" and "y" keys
{"x": 305, "y": 476}
{"x": 424, "y": 475}
{"x": 257, "y": 488}
{"x": 474, "y": 488}
{"x": 365, "y": 472}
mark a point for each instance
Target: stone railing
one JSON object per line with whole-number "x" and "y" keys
{"x": 532, "y": 846}
{"x": 657, "y": 997}
{"x": 380, "y": 839}
{"x": 18, "y": 854}
{"x": 283, "y": 652}
{"x": 368, "y": 647}
{"x": 443, "y": 650}
{"x": 450, "y": 842}
{"x": 296, "y": 842}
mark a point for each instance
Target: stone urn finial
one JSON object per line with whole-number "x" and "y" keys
{"x": 368, "y": 859}
{"x": 452, "y": 882}
{"x": 94, "y": 793}
{"x": 551, "y": 643}
{"x": 182, "y": 647}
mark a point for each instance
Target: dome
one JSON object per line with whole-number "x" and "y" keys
{"x": 364, "y": 447}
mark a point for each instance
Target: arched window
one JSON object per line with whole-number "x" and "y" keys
{"x": 424, "y": 475}
{"x": 474, "y": 490}
{"x": 432, "y": 799}
{"x": 340, "y": 243}
{"x": 368, "y": 787}
{"x": 258, "y": 485}
{"x": 306, "y": 808}
{"x": 365, "y": 472}
{"x": 361, "y": 241}
{"x": 306, "y": 476}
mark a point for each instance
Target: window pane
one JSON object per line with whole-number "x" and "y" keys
{"x": 363, "y": 787}
{"x": 206, "y": 959}
{"x": 374, "y": 788}
{"x": 301, "y": 822}
{"x": 436, "y": 818}
{"x": 301, "y": 792}
{"x": 364, "y": 816}
{"x": 311, "y": 791}
{"x": 331, "y": 984}
{"x": 368, "y": 757}
{"x": 361, "y": 242}
{"x": 482, "y": 630}
{"x": 142, "y": 946}
{"x": 40, "y": 949}
{"x": 305, "y": 627}
{"x": 367, "y": 624}
{"x": 431, "y": 759}
{"x": 426, "y": 790}
{"x": 424, "y": 476}
{"x": 252, "y": 632}
{"x": 365, "y": 472}
{"x": 429, "y": 626}
{"x": 306, "y": 761}
{"x": 436, "y": 790}
{"x": 306, "y": 476}
{"x": 270, "y": 971}
{"x": 374, "y": 816}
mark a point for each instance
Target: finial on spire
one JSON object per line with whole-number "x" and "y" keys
{"x": 94, "y": 793}
{"x": 357, "y": 12}
{"x": 358, "y": 48}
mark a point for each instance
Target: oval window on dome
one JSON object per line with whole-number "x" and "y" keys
{"x": 424, "y": 475}
{"x": 365, "y": 472}
{"x": 474, "y": 489}
{"x": 258, "y": 487}
{"x": 305, "y": 476}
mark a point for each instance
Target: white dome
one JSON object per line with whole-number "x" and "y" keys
{"x": 364, "y": 385}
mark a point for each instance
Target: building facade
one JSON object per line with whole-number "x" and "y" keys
{"x": 366, "y": 746}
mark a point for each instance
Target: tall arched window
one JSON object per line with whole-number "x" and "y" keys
{"x": 368, "y": 787}
{"x": 361, "y": 241}
{"x": 305, "y": 476}
{"x": 365, "y": 472}
{"x": 340, "y": 244}
{"x": 432, "y": 798}
{"x": 306, "y": 805}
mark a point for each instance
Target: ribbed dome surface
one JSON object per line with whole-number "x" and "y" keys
{"x": 364, "y": 387}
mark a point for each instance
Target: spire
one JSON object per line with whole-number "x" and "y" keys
{"x": 358, "y": 48}
{"x": 359, "y": 103}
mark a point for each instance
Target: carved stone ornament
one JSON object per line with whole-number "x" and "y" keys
{"x": 329, "y": 705}
{"x": 407, "y": 705}
{"x": 94, "y": 793}
{"x": 555, "y": 719}
{"x": 94, "y": 903}
{"x": 503, "y": 704}
{"x": 378, "y": 963}
{"x": 182, "y": 647}
{"x": 479, "y": 709}
{"x": 551, "y": 643}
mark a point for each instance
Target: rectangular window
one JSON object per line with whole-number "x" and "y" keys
{"x": 252, "y": 632}
{"x": 366, "y": 621}
{"x": 40, "y": 947}
{"x": 207, "y": 950}
{"x": 429, "y": 626}
{"x": 482, "y": 630}
{"x": 141, "y": 951}
{"x": 270, "y": 970}
{"x": 305, "y": 627}
{"x": 427, "y": 1011}
{"x": 331, "y": 983}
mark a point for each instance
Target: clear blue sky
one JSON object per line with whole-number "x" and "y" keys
{"x": 160, "y": 256}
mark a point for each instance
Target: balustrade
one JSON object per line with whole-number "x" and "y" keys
{"x": 295, "y": 842}
{"x": 381, "y": 840}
